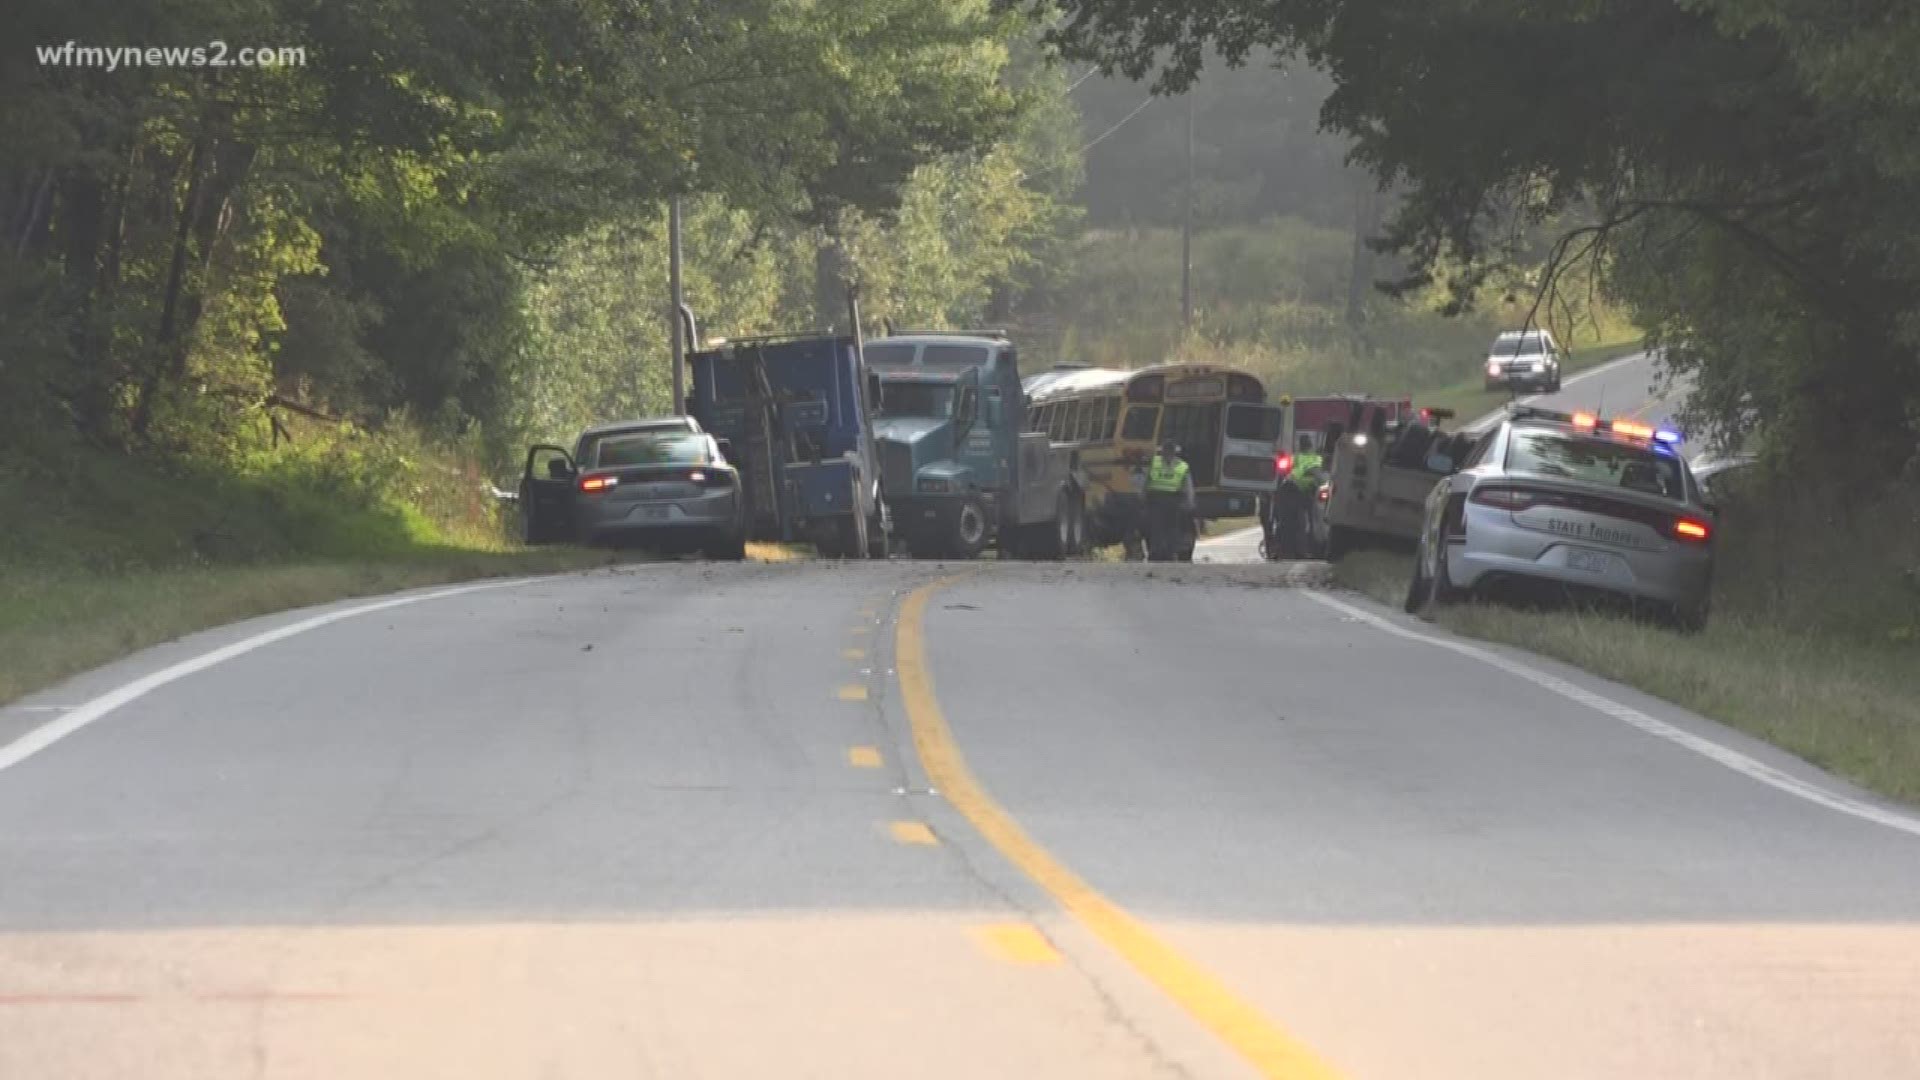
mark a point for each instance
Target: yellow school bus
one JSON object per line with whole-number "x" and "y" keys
{"x": 1115, "y": 419}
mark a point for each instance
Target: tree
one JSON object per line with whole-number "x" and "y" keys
{"x": 1743, "y": 167}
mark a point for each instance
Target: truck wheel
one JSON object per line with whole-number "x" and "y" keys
{"x": 853, "y": 536}
{"x": 968, "y": 534}
{"x": 826, "y": 543}
{"x": 1077, "y": 544}
{"x": 1053, "y": 540}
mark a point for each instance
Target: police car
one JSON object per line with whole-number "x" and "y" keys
{"x": 1577, "y": 501}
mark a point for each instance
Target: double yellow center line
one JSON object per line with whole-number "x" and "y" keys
{"x": 1270, "y": 1050}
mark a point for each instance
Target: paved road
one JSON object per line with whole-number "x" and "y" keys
{"x": 1103, "y": 820}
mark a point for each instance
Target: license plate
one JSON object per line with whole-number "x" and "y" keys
{"x": 655, "y": 513}
{"x": 1236, "y": 504}
{"x": 1595, "y": 562}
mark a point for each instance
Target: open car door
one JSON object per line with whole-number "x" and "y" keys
{"x": 546, "y": 496}
{"x": 1249, "y": 438}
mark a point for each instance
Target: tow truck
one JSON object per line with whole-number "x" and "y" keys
{"x": 959, "y": 471}
{"x": 1381, "y": 474}
{"x": 796, "y": 413}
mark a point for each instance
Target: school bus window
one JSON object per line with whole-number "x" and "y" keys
{"x": 1112, "y": 419}
{"x": 1141, "y": 420}
{"x": 1055, "y": 421}
{"x": 1090, "y": 412}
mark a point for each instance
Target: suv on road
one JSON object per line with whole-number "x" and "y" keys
{"x": 1524, "y": 359}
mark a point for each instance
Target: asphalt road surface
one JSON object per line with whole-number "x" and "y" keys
{"x": 818, "y": 820}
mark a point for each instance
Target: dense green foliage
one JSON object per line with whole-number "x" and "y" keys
{"x": 449, "y": 206}
{"x": 1746, "y": 167}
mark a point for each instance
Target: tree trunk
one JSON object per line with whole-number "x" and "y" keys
{"x": 830, "y": 275}
{"x": 1366, "y": 224}
{"x": 176, "y": 278}
{"x": 33, "y": 211}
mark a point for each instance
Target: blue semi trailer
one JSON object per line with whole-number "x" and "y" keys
{"x": 796, "y": 414}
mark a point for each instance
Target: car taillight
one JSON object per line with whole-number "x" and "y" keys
{"x": 1688, "y": 529}
{"x": 1505, "y": 498}
{"x": 1283, "y": 463}
{"x": 1326, "y": 492}
{"x": 599, "y": 482}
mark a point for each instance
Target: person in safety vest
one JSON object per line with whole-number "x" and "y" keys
{"x": 1288, "y": 528}
{"x": 1169, "y": 501}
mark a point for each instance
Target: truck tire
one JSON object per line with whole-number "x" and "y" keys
{"x": 967, "y": 534}
{"x": 1053, "y": 540}
{"x": 853, "y": 536}
{"x": 826, "y": 543}
{"x": 1078, "y": 545}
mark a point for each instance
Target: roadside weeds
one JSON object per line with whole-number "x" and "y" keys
{"x": 1851, "y": 707}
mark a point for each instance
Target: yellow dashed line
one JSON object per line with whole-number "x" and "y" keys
{"x": 912, "y": 832}
{"x": 854, "y": 654}
{"x": 853, "y": 692}
{"x": 1271, "y": 1050}
{"x": 1017, "y": 943}
{"x": 860, "y": 631}
{"x": 864, "y": 757}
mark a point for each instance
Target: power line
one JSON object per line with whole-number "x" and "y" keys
{"x": 1075, "y": 85}
{"x": 1138, "y": 109}
{"x": 1142, "y": 107}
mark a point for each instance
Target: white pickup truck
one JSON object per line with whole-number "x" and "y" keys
{"x": 1379, "y": 479}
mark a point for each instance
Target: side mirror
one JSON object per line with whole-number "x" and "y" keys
{"x": 557, "y": 470}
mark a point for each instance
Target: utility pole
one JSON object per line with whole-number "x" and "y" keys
{"x": 1186, "y": 231}
{"x": 679, "y": 305}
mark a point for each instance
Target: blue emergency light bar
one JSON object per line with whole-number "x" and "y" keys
{"x": 1668, "y": 436}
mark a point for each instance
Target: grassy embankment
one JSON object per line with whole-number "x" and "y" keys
{"x": 102, "y": 555}
{"x": 1814, "y": 643}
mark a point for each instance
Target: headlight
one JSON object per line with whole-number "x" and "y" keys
{"x": 1493, "y": 367}
{"x": 1539, "y": 365}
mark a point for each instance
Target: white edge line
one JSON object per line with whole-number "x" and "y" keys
{"x": 80, "y": 716}
{"x": 1733, "y": 759}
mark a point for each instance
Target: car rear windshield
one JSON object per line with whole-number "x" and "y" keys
{"x": 1597, "y": 461}
{"x": 651, "y": 448}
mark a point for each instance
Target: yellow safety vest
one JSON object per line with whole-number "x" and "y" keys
{"x": 1166, "y": 477}
{"x": 1303, "y": 467}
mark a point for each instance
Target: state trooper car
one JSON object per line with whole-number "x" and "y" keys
{"x": 1587, "y": 504}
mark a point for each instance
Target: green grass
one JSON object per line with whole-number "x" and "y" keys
{"x": 104, "y": 554}
{"x": 55, "y": 624}
{"x": 1815, "y": 644}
